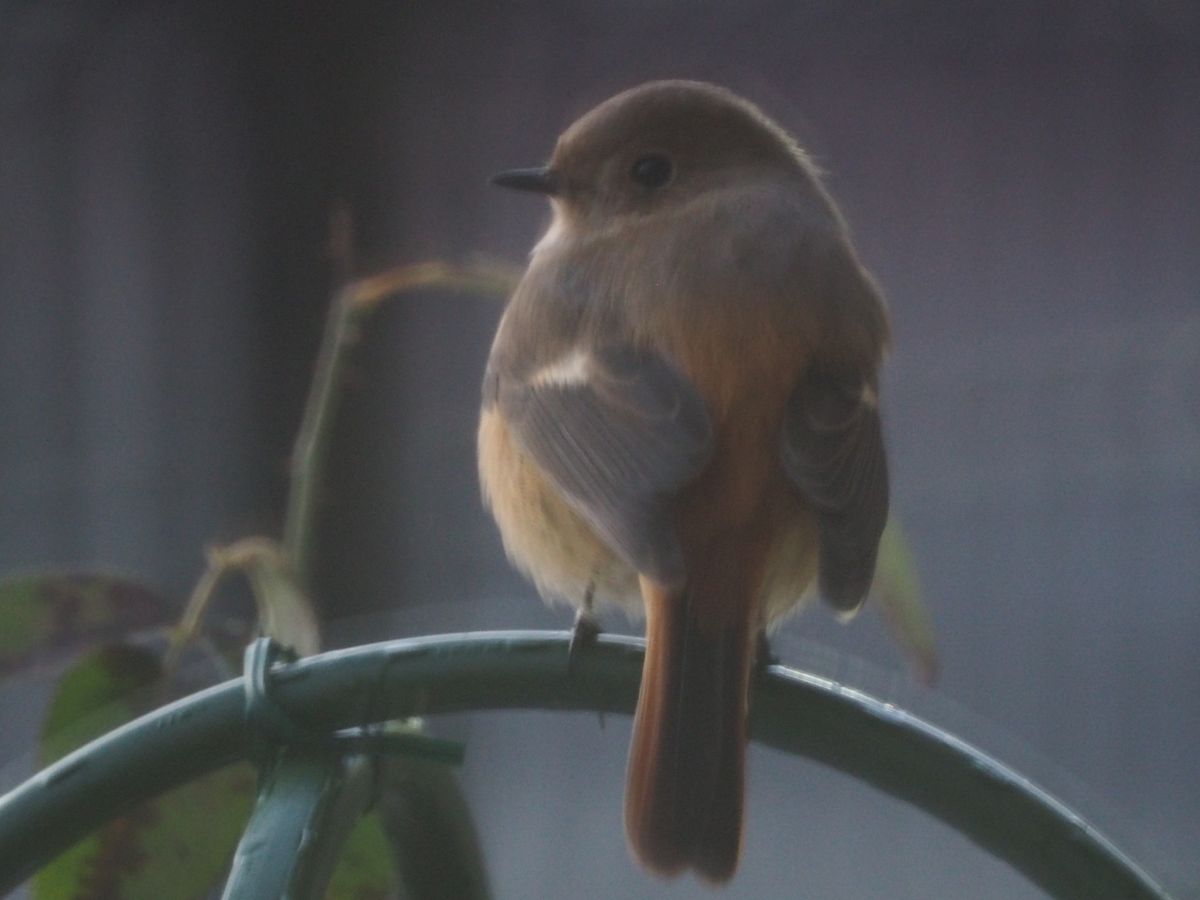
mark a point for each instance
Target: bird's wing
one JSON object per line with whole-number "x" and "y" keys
{"x": 833, "y": 451}
{"x": 618, "y": 430}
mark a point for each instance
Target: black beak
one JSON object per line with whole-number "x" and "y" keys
{"x": 540, "y": 180}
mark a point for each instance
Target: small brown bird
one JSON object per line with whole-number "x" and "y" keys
{"x": 680, "y": 415}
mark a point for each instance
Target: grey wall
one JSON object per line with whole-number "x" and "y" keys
{"x": 1021, "y": 177}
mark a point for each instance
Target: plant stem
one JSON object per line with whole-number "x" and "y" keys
{"x": 353, "y": 300}
{"x": 316, "y": 429}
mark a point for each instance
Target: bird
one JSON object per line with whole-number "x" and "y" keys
{"x": 680, "y": 418}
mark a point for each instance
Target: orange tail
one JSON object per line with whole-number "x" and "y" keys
{"x": 683, "y": 797}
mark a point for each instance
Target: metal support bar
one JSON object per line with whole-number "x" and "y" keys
{"x": 798, "y": 713}
{"x": 308, "y": 803}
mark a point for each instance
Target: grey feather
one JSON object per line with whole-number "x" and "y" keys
{"x": 618, "y": 444}
{"x": 833, "y": 451}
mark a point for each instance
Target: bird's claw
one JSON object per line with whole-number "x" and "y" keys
{"x": 585, "y": 630}
{"x": 583, "y": 635}
{"x": 764, "y": 657}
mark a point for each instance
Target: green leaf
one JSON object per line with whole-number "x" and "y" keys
{"x": 367, "y": 869}
{"x": 106, "y": 688}
{"x": 47, "y": 614}
{"x": 897, "y": 588}
{"x": 187, "y": 837}
{"x": 176, "y": 846}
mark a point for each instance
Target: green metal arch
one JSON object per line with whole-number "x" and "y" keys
{"x": 802, "y": 714}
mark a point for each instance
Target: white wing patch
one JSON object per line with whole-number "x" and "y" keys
{"x": 869, "y": 398}
{"x": 568, "y": 370}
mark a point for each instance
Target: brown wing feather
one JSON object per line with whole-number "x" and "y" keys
{"x": 618, "y": 443}
{"x": 833, "y": 451}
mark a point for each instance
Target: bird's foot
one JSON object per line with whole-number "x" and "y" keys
{"x": 585, "y": 630}
{"x": 583, "y": 636}
{"x": 764, "y": 657}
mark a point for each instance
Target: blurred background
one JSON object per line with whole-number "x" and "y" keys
{"x": 1022, "y": 177}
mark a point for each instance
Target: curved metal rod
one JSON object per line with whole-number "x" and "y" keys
{"x": 813, "y": 717}
{"x": 308, "y": 803}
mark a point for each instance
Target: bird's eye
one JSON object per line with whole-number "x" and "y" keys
{"x": 652, "y": 170}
